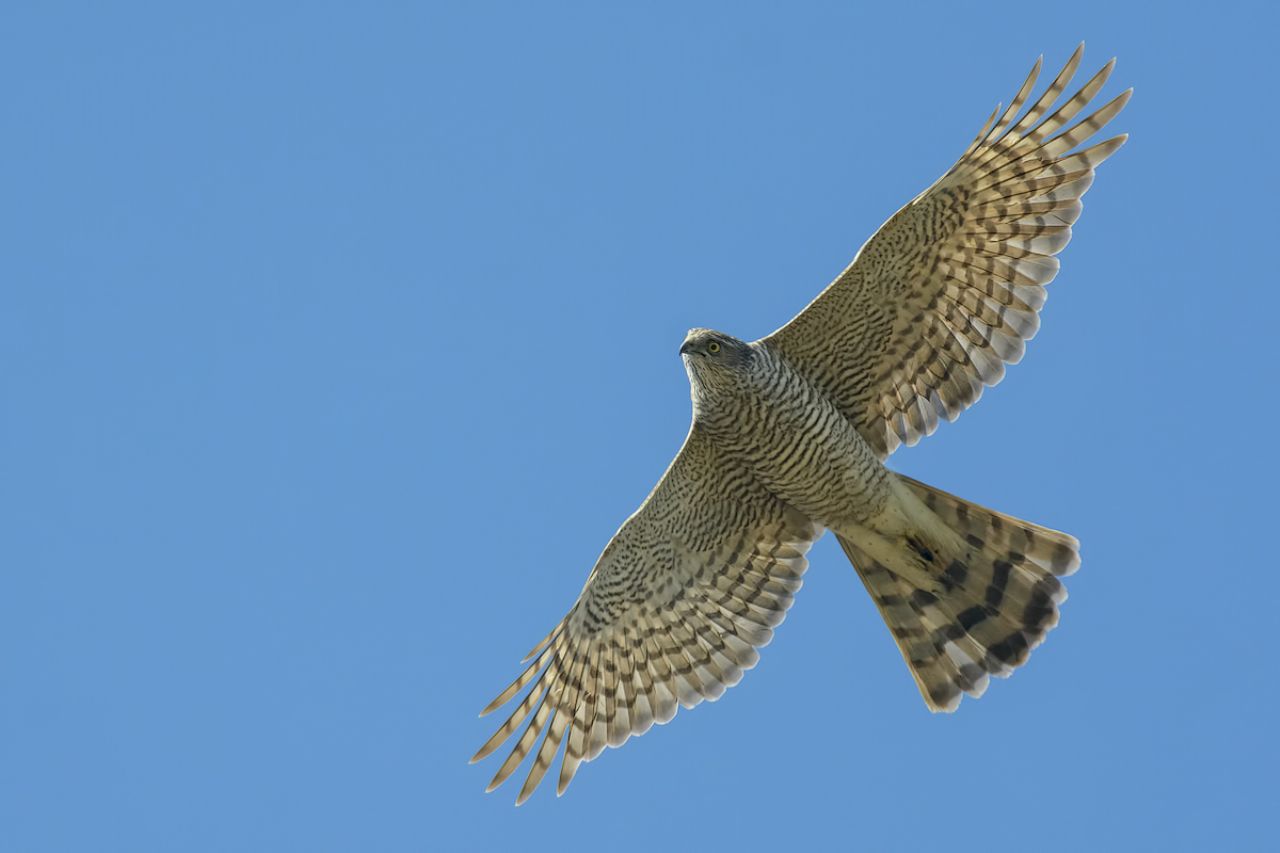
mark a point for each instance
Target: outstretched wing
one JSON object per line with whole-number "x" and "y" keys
{"x": 949, "y": 290}
{"x": 672, "y": 613}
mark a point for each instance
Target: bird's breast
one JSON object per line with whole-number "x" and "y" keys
{"x": 799, "y": 446}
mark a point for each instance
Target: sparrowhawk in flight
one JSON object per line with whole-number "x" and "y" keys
{"x": 789, "y": 438}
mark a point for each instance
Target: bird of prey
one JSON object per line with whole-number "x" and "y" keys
{"x": 789, "y": 438}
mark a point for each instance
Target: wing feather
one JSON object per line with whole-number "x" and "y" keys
{"x": 948, "y": 291}
{"x": 672, "y": 614}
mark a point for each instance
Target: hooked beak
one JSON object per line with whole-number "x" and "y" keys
{"x": 687, "y": 348}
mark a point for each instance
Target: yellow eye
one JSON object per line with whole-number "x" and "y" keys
{"x": 713, "y": 347}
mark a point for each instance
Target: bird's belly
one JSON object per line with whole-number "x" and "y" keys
{"x": 812, "y": 458}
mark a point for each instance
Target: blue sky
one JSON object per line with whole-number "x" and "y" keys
{"x": 338, "y": 339}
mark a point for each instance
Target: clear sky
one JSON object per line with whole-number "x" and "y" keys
{"x": 337, "y": 339}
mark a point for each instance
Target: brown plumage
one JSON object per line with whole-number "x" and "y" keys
{"x": 788, "y": 439}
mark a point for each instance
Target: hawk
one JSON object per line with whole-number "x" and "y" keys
{"x": 789, "y": 438}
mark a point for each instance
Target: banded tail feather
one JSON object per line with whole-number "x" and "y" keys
{"x": 968, "y": 594}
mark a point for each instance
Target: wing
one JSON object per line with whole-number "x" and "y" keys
{"x": 672, "y": 613}
{"x": 948, "y": 291}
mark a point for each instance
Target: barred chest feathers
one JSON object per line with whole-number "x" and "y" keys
{"x": 794, "y": 440}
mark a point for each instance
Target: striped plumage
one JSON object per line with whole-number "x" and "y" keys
{"x": 788, "y": 439}
{"x": 672, "y": 613}
{"x": 949, "y": 289}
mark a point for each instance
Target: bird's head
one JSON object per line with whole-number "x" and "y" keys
{"x": 715, "y": 360}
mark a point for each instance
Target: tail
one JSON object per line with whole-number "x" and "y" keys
{"x": 967, "y": 592}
